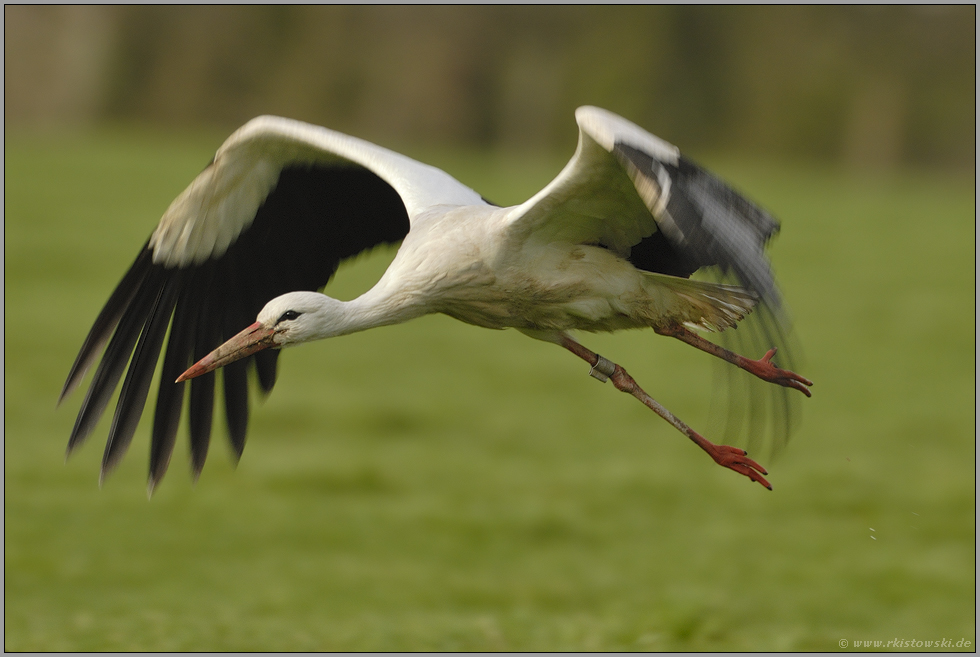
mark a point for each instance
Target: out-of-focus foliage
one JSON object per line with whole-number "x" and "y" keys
{"x": 863, "y": 85}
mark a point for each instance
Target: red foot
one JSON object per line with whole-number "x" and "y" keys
{"x": 735, "y": 459}
{"x": 766, "y": 371}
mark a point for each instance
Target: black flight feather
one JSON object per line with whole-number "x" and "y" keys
{"x": 705, "y": 223}
{"x": 135, "y": 388}
{"x": 315, "y": 218}
{"x": 107, "y": 320}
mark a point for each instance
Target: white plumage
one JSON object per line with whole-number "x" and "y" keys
{"x": 607, "y": 245}
{"x": 222, "y": 201}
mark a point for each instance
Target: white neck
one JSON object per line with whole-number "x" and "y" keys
{"x": 372, "y": 309}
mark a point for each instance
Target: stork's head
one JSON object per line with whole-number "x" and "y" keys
{"x": 289, "y": 319}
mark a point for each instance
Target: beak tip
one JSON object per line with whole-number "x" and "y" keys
{"x": 252, "y": 339}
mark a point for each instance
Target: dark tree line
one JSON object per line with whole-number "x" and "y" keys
{"x": 868, "y": 85}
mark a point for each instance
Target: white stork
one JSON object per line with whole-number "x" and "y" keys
{"x": 608, "y": 245}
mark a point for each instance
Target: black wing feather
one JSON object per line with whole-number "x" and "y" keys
{"x": 236, "y": 317}
{"x": 208, "y": 333}
{"x": 655, "y": 253}
{"x": 236, "y": 404}
{"x": 135, "y": 388}
{"x": 315, "y": 218}
{"x": 265, "y": 366}
{"x": 107, "y": 320}
{"x": 722, "y": 227}
{"x": 705, "y": 224}
{"x": 166, "y": 419}
{"x": 201, "y": 418}
{"x": 114, "y": 359}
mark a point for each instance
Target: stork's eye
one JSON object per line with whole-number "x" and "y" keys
{"x": 289, "y": 314}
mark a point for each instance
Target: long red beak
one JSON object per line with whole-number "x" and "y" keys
{"x": 255, "y": 338}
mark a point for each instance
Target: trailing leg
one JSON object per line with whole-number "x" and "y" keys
{"x": 729, "y": 457}
{"x": 762, "y": 368}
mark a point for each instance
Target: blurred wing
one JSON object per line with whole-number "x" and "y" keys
{"x": 277, "y": 210}
{"x": 636, "y": 195}
{"x": 747, "y": 411}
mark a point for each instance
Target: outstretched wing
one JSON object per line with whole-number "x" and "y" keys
{"x": 277, "y": 210}
{"x": 636, "y": 195}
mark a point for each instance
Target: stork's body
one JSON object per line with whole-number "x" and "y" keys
{"x": 606, "y": 246}
{"x": 463, "y": 262}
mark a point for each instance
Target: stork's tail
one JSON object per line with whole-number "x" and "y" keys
{"x": 696, "y": 304}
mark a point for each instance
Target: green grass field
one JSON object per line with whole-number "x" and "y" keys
{"x": 437, "y": 486}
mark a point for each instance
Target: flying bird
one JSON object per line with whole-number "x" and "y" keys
{"x": 234, "y": 266}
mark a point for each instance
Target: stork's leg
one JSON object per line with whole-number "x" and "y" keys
{"x": 762, "y": 368}
{"x": 730, "y": 457}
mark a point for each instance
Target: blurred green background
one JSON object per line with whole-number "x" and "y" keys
{"x": 437, "y": 486}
